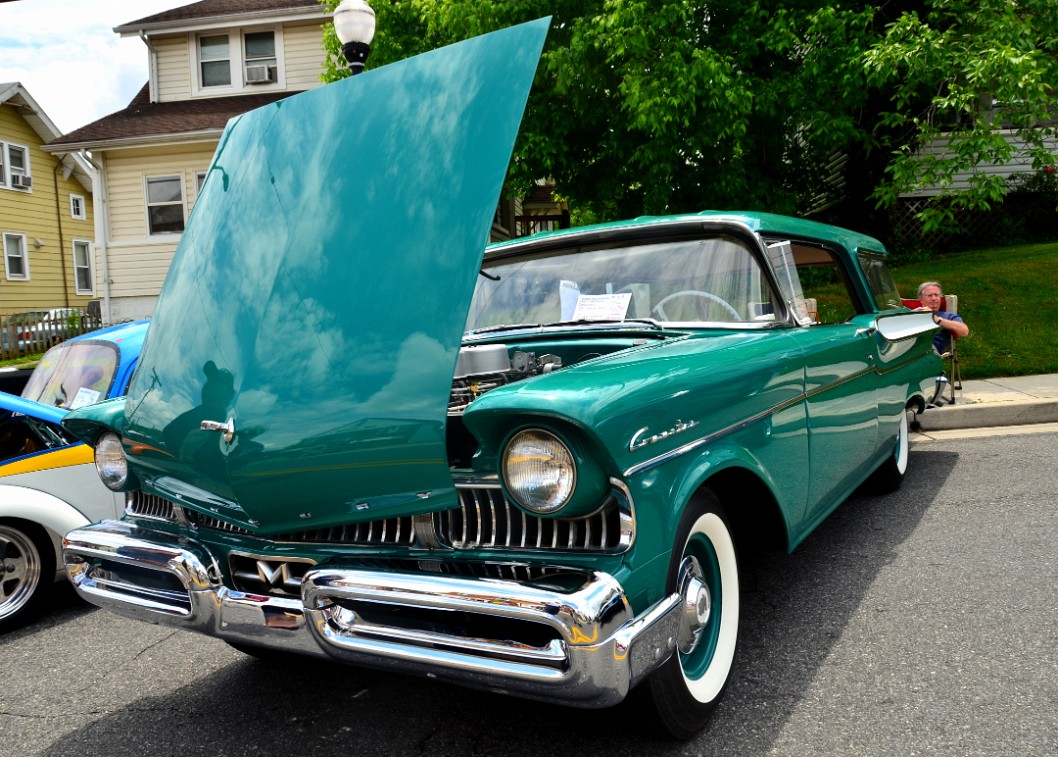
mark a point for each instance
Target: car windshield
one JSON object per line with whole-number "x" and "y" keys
{"x": 715, "y": 281}
{"x": 73, "y": 374}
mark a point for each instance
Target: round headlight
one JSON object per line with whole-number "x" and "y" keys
{"x": 539, "y": 471}
{"x": 111, "y": 464}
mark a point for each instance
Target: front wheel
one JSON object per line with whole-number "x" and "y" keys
{"x": 704, "y": 571}
{"x": 27, "y": 567}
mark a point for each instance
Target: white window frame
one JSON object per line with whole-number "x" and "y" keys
{"x": 247, "y": 61}
{"x": 236, "y": 62}
{"x": 87, "y": 243}
{"x": 200, "y": 61}
{"x": 7, "y": 170}
{"x": 75, "y": 201}
{"x": 24, "y": 254}
{"x": 147, "y": 204}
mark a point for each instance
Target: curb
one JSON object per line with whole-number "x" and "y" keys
{"x": 1008, "y": 413}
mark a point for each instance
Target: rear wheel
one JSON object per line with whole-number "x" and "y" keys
{"x": 27, "y": 570}
{"x": 704, "y": 571}
{"x": 890, "y": 475}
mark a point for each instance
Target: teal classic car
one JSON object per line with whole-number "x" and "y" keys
{"x": 356, "y": 434}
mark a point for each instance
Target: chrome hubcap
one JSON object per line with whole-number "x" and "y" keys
{"x": 697, "y": 605}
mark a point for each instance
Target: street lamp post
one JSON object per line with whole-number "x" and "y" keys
{"x": 354, "y": 23}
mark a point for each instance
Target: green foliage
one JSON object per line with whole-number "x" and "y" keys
{"x": 663, "y": 106}
{"x": 960, "y": 80}
{"x": 654, "y": 106}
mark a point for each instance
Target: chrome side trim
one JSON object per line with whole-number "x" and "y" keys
{"x": 654, "y": 462}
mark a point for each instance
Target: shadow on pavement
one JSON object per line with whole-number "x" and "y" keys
{"x": 794, "y": 609}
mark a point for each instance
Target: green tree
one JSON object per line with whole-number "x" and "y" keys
{"x": 662, "y": 106}
{"x": 652, "y": 106}
{"x": 970, "y": 83}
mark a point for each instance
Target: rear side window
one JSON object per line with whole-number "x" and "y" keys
{"x": 883, "y": 288}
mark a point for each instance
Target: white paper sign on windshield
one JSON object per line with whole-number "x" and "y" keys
{"x": 84, "y": 396}
{"x": 602, "y": 307}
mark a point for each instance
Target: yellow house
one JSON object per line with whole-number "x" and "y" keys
{"x": 46, "y": 212}
{"x": 208, "y": 62}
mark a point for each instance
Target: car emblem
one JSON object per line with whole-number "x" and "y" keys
{"x": 640, "y": 438}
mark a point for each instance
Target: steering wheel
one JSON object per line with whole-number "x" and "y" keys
{"x": 659, "y": 309}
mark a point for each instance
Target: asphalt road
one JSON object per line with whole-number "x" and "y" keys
{"x": 920, "y": 623}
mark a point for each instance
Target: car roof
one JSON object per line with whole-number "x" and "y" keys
{"x": 762, "y": 223}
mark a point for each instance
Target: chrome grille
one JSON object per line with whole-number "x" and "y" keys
{"x": 144, "y": 505}
{"x": 391, "y": 531}
{"x": 395, "y": 531}
{"x": 486, "y": 520}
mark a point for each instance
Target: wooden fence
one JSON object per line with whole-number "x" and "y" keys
{"x": 34, "y": 332}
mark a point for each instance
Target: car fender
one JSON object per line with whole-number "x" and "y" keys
{"x": 54, "y": 515}
{"x": 724, "y": 458}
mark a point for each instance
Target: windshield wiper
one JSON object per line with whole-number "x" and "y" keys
{"x": 506, "y": 327}
{"x": 583, "y": 322}
{"x": 616, "y": 324}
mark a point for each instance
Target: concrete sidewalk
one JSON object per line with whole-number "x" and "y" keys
{"x": 997, "y": 402}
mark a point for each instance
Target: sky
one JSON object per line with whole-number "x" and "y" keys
{"x": 67, "y": 55}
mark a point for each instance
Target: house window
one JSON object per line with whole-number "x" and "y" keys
{"x": 82, "y": 266}
{"x": 259, "y": 55}
{"x": 215, "y": 61}
{"x": 230, "y": 61}
{"x": 200, "y": 179}
{"x": 165, "y": 205}
{"x": 14, "y": 166}
{"x": 77, "y": 207}
{"x": 15, "y": 258}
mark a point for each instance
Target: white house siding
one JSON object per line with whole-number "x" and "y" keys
{"x": 1020, "y": 163}
{"x": 174, "y": 68}
{"x": 303, "y": 53}
{"x": 302, "y": 56}
{"x": 137, "y": 262}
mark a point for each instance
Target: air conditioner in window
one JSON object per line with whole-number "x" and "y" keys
{"x": 21, "y": 182}
{"x": 258, "y": 74}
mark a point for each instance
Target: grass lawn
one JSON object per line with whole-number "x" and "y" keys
{"x": 1008, "y": 296}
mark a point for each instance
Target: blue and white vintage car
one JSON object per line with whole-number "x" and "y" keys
{"x": 48, "y": 484}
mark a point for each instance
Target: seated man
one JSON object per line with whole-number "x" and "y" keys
{"x": 931, "y": 296}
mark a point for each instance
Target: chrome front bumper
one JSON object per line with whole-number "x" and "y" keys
{"x": 566, "y": 635}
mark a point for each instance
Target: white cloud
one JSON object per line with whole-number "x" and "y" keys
{"x": 67, "y": 55}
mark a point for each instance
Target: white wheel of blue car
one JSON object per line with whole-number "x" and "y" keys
{"x": 704, "y": 571}
{"x": 26, "y": 567}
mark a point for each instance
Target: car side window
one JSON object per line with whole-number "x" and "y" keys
{"x": 886, "y": 296}
{"x": 827, "y": 295}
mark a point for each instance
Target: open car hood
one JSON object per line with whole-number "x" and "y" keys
{"x": 316, "y": 301}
